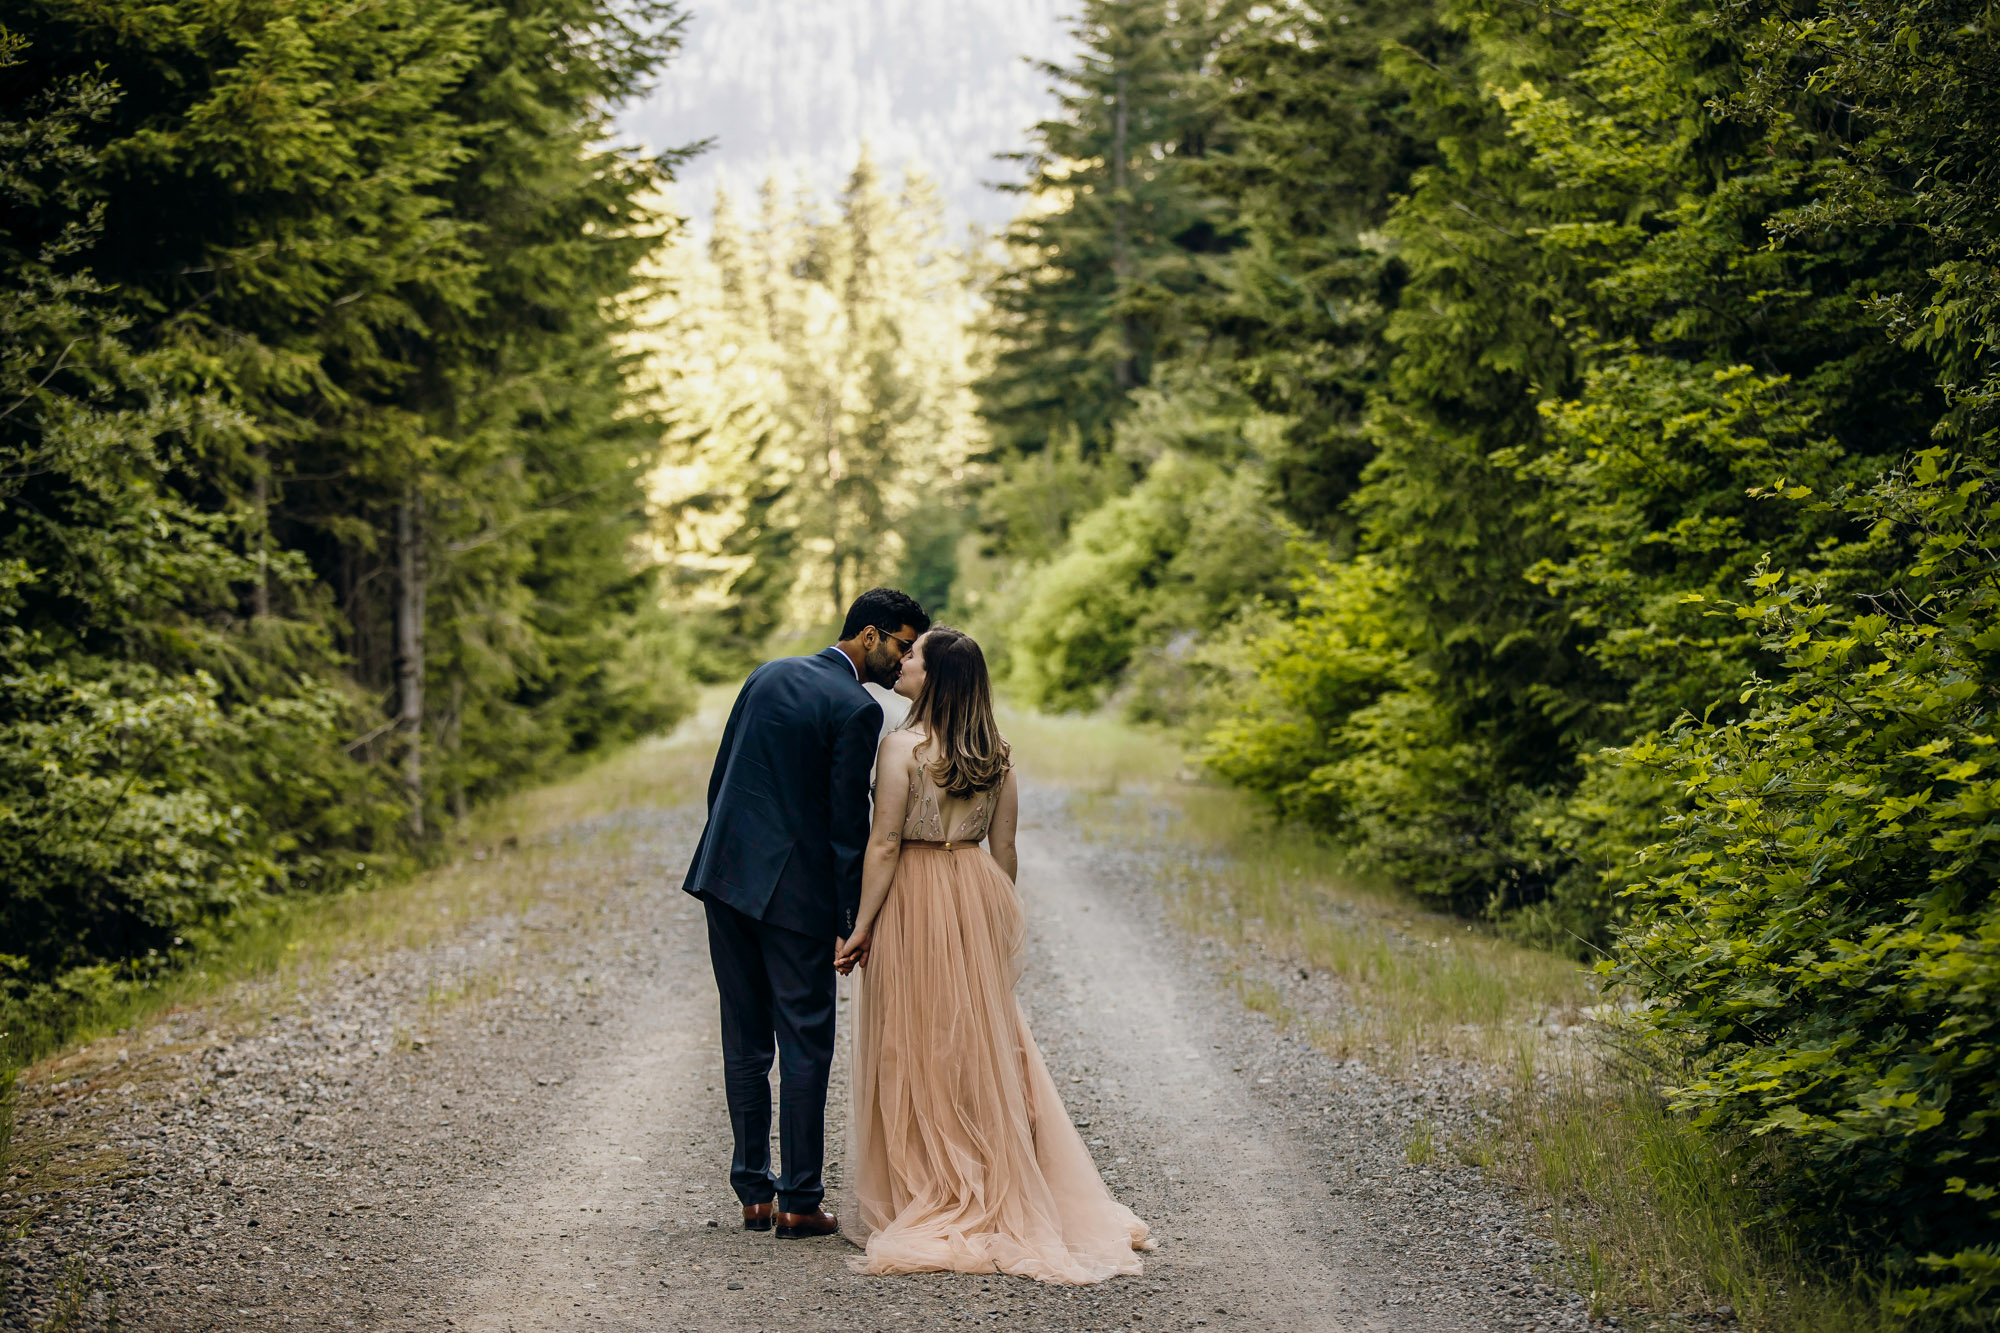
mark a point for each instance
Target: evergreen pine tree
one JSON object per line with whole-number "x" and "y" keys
{"x": 1116, "y": 234}
{"x": 816, "y": 370}
{"x": 315, "y": 367}
{"x": 1323, "y": 141}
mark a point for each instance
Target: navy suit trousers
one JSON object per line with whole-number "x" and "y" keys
{"x": 778, "y": 990}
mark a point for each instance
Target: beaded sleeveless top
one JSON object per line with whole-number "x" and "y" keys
{"x": 934, "y": 816}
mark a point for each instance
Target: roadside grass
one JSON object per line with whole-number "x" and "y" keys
{"x": 499, "y": 862}
{"x": 1652, "y": 1216}
{"x": 75, "y": 1285}
{"x": 1418, "y": 984}
{"x": 1649, "y": 1212}
{"x": 1421, "y": 1147}
{"x": 1093, "y": 752}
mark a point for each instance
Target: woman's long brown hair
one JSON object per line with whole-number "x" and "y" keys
{"x": 955, "y": 707}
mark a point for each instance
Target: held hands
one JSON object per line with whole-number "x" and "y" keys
{"x": 851, "y": 952}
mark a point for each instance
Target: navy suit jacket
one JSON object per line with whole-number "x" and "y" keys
{"x": 788, "y": 806}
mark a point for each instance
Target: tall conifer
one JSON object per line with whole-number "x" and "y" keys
{"x": 816, "y": 369}
{"x": 326, "y": 469}
{"x": 1115, "y": 234}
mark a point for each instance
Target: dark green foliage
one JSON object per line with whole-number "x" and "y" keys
{"x": 1262, "y": 361}
{"x": 1473, "y": 338}
{"x": 1537, "y": 309}
{"x": 534, "y": 490}
{"x": 145, "y": 748}
{"x": 1820, "y": 934}
{"x": 1321, "y": 141}
{"x": 1099, "y": 295}
{"x": 1915, "y": 89}
{"x": 1597, "y": 351}
{"x": 274, "y": 275}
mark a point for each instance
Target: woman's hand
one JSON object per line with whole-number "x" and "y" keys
{"x": 852, "y": 952}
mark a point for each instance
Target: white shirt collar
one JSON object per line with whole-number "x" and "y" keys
{"x": 835, "y": 648}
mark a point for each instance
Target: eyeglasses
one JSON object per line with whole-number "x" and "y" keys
{"x": 907, "y": 644}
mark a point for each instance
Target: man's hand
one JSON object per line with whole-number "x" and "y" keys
{"x": 851, "y": 952}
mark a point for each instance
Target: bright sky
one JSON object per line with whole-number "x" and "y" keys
{"x": 793, "y": 87}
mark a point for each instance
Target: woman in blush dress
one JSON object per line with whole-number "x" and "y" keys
{"x": 962, "y": 1155}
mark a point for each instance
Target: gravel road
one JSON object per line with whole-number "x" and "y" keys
{"x": 521, "y": 1128}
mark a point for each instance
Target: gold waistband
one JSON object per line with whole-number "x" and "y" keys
{"x": 921, "y": 845}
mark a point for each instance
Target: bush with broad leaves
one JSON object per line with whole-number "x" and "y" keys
{"x": 1819, "y": 934}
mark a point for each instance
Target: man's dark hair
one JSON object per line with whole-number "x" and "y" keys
{"x": 887, "y": 609}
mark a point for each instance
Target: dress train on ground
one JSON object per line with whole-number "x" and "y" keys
{"x": 962, "y": 1156}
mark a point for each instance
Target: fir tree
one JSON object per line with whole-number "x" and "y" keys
{"x": 816, "y": 369}
{"x": 321, "y": 461}
{"x": 1323, "y": 141}
{"x": 1116, "y": 234}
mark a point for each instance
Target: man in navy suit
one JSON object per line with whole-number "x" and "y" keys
{"x": 778, "y": 870}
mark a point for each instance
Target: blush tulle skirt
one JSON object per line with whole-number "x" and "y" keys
{"x": 961, "y": 1155}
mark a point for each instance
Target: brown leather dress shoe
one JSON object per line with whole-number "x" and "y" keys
{"x": 798, "y": 1226}
{"x": 757, "y": 1216}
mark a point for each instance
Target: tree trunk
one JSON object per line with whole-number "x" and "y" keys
{"x": 833, "y": 506}
{"x": 410, "y": 649}
{"x": 1126, "y": 372}
{"x": 260, "y": 500}
{"x": 458, "y": 803}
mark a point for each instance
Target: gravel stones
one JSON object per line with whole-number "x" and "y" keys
{"x": 521, "y": 1127}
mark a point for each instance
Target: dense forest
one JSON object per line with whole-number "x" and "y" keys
{"x": 1548, "y": 450}
{"x": 815, "y": 366}
{"x": 320, "y": 510}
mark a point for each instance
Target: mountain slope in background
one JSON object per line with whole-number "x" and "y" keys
{"x": 793, "y": 88}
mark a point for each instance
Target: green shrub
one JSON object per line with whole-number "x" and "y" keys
{"x": 1080, "y": 615}
{"x": 1820, "y": 934}
{"x": 1029, "y": 506}
{"x": 1582, "y": 845}
{"x": 114, "y": 828}
{"x": 1338, "y": 655}
{"x": 1177, "y": 557}
{"x": 1339, "y": 725}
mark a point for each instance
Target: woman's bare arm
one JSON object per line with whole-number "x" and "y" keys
{"x": 885, "y": 843}
{"x": 1000, "y": 834}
